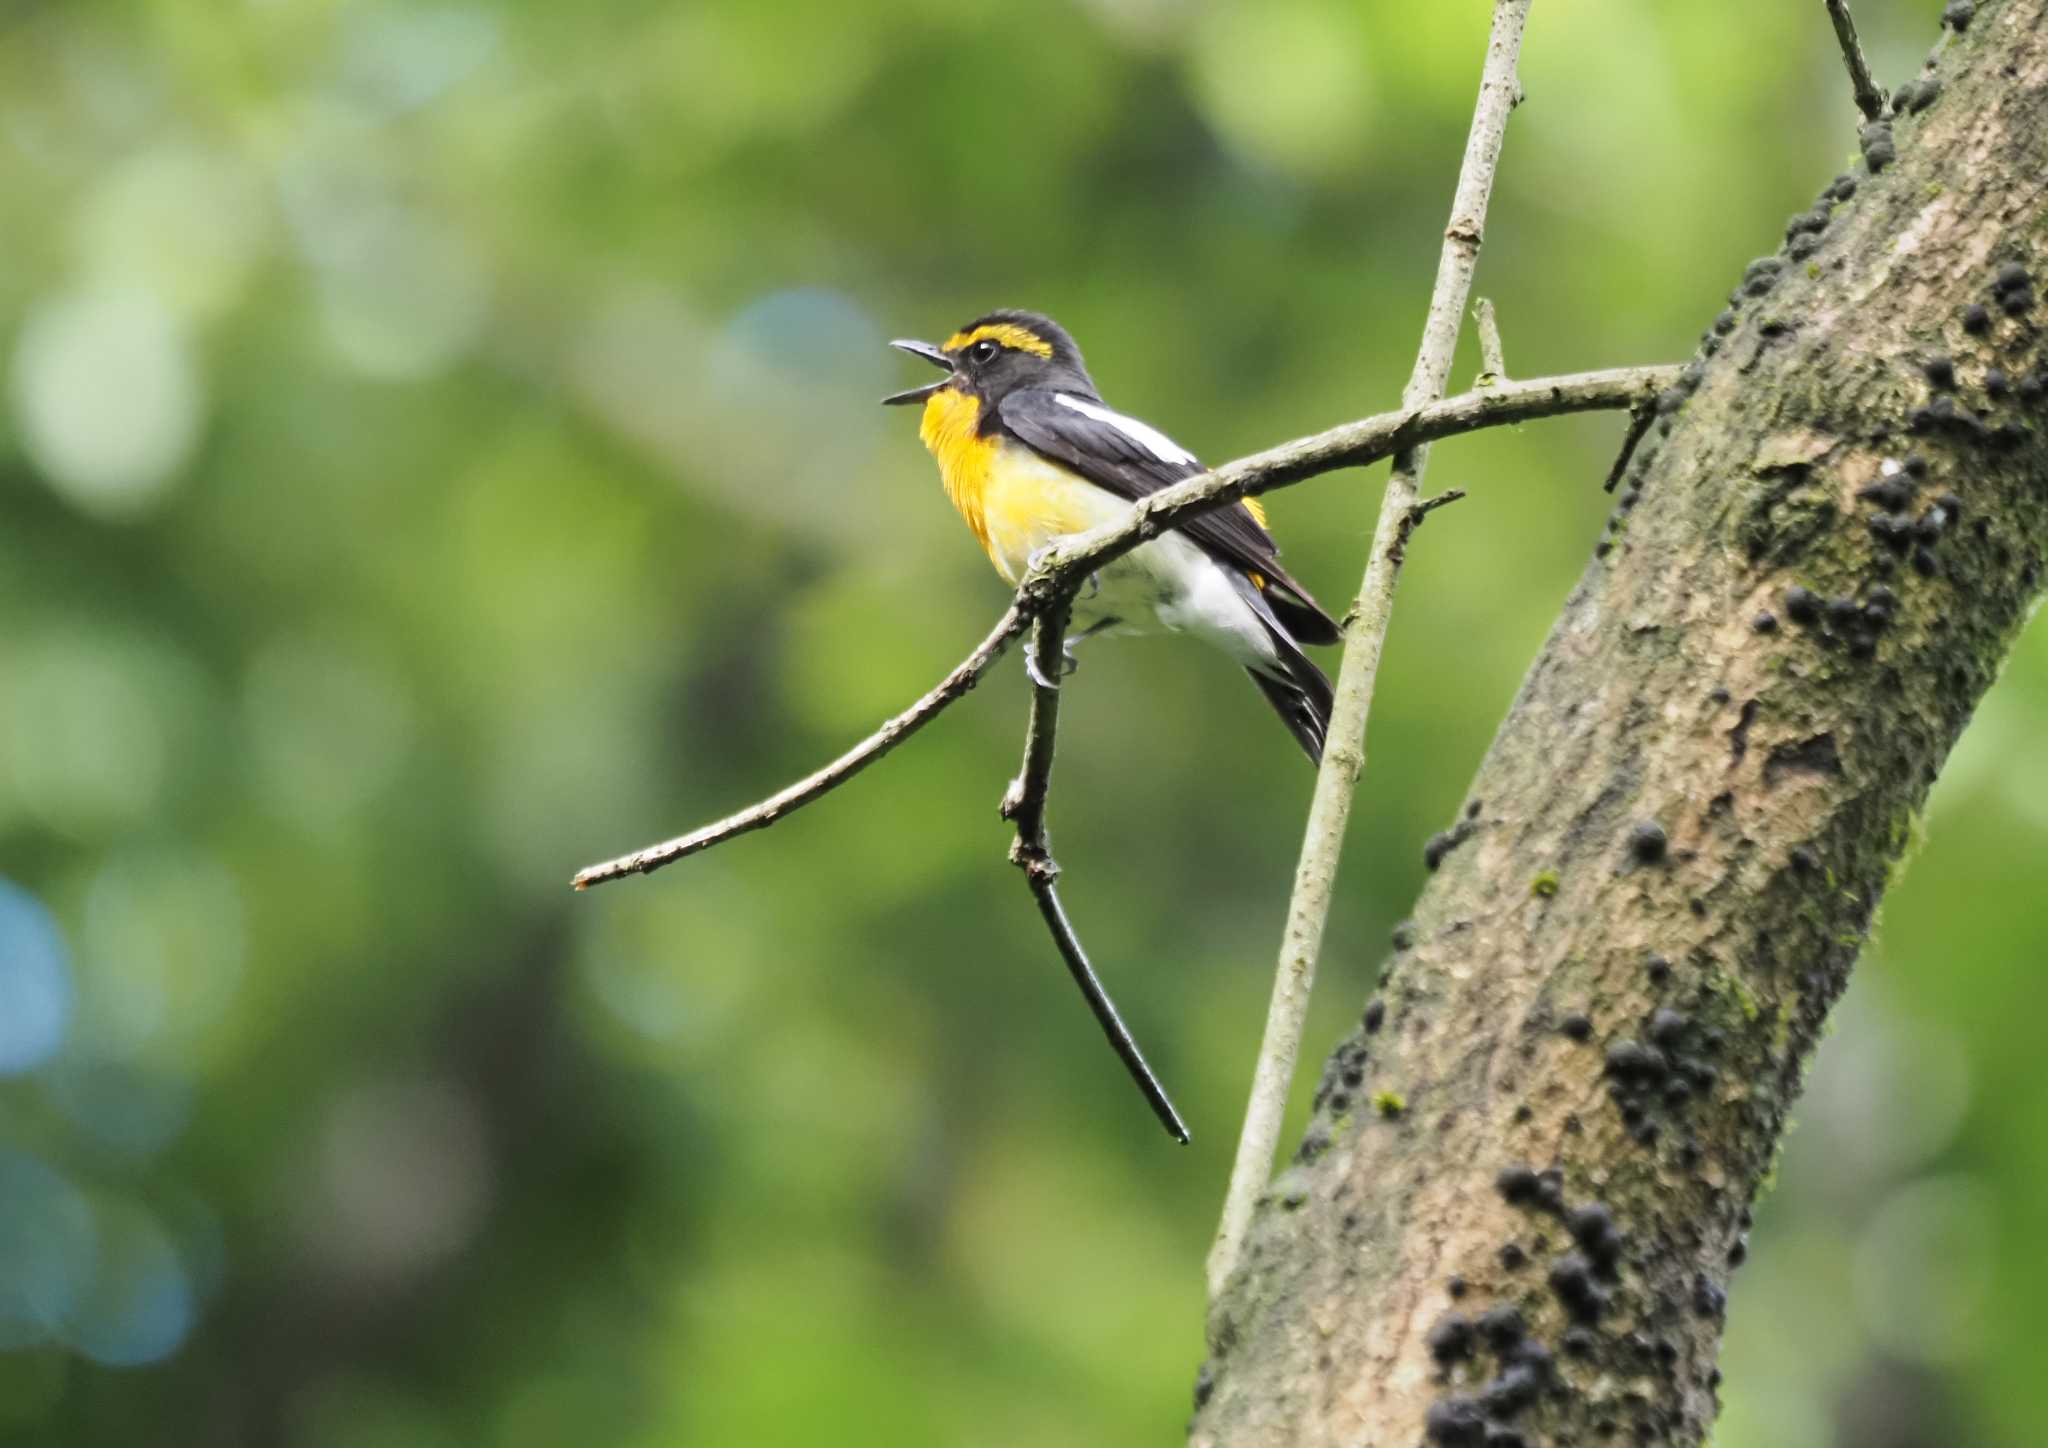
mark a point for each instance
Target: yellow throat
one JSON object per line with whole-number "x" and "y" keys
{"x": 965, "y": 458}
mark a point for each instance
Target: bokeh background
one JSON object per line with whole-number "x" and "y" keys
{"x": 439, "y": 449}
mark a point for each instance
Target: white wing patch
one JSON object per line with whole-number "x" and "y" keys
{"x": 1144, "y": 435}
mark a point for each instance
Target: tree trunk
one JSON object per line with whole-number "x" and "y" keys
{"x": 1515, "y": 1213}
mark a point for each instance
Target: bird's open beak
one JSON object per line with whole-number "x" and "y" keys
{"x": 930, "y": 354}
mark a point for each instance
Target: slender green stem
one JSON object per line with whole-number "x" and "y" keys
{"x": 1365, "y": 633}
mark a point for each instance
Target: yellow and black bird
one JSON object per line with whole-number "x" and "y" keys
{"x": 1028, "y": 453}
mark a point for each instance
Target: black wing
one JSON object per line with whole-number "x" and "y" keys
{"x": 1131, "y": 459}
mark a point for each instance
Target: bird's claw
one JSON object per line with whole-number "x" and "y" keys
{"x": 1034, "y": 562}
{"x": 1036, "y": 674}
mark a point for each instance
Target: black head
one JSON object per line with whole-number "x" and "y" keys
{"x": 995, "y": 355}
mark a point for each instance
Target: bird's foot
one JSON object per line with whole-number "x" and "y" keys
{"x": 1036, "y": 674}
{"x": 1036, "y": 558}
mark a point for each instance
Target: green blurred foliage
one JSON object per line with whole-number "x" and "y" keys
{"x": 440, "y": 450}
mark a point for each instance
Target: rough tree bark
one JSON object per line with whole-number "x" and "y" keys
{"x": 1515, "y": 1213}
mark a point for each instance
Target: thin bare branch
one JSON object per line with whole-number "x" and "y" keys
{"x": 1365, "y": 633}
{"x": 1065, "y": 566}
{"x": 1493, "y": 365}
{"x": 1024, "y": 805}
{"x": 759, "y": 816}
{"x": 1869, "y": 95}
{"x": 1355, "y": 444}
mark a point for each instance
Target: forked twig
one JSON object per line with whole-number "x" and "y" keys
{"x": 1043, "y": 598}
{"x": 1047, "y": 592}
{"x": 1069, "y": 563}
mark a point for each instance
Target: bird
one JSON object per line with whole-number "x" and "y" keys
{"x": 1028, "y": 453}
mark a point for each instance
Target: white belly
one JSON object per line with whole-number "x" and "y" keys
{"x": 1167, "y": 584}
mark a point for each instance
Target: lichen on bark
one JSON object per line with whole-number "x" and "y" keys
{"x": 1817, "y": 560}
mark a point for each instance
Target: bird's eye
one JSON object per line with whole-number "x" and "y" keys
{"x": 982, "y": 353}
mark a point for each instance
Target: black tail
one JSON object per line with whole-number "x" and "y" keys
{"x": 1299, "y": 614}
{"x": 1302, "y": 700}
{"x": 1292, "y": 683}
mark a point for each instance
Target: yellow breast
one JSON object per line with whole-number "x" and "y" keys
{"x": 1013, "y": 500}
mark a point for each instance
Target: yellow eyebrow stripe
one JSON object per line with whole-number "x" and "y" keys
{"x": 1009, "y": 334}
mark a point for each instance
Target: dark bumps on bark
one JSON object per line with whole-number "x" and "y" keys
{"x": 1456, "y": 1423}
{"x": 1503, "y": 1328}
{"x": 1592, "y": 1227}
{"x": 1571, "y": 1278}
{"x": 1667, "y": 1027}
{"x": 1516, "y": 1185}
{"x": 1633, "y": 1061}
{"x": 1450, "y": 1339}
{"x": 1511, "y": 1392}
